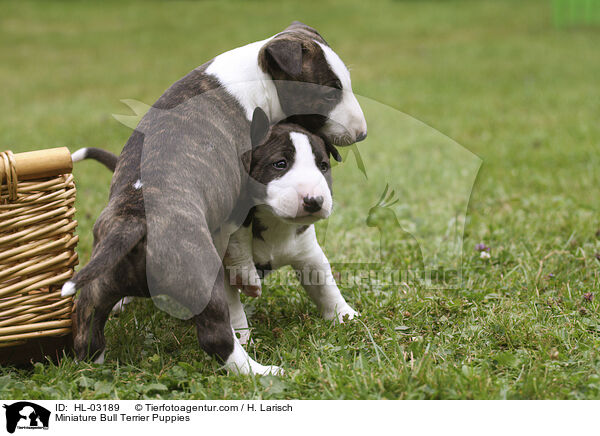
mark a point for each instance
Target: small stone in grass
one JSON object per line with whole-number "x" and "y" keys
{"x": 588, "y": 296}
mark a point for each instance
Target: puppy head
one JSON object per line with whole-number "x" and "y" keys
{"x": 291, "y": 170}
{"x": 313, "y": 85}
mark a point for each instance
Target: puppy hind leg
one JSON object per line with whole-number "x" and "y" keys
{"x": 187, "y": 267}
{"x": 94, "y": 305}
{"x": 216, "y": 337}
{"x": 119, "y": 240}
{"x": 239, "y": 362}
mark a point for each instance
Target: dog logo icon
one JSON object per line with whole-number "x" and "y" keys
{"x": 26, "y": 415}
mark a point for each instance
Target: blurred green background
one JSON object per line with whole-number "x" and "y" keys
{"x": 503, "y": 79}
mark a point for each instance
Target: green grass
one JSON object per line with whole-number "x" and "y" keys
{"x": 495, "y": 76}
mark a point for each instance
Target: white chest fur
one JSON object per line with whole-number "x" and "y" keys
{"x": 281, "y": 243}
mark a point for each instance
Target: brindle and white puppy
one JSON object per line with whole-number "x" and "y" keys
{"x": 240, "y": 260}
{"x": 186, "y": 158}
{"x": 291, "y": 184}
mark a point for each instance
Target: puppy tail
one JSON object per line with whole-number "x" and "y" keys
{"x": 108, "y": 159}
{"x": 105, "y": 256}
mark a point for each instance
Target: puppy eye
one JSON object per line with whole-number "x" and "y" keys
{"x": 280, "y": 164}
{"x": 324, "y": 166}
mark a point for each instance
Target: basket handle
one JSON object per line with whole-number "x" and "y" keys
{"x": 34, "y": 165}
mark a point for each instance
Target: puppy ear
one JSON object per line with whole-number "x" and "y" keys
{"x": 259, "y": 128}
{"x": 332, "y": 150}
{"x": 285, "y": 55}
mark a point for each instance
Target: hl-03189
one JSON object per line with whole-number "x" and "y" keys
{"x": 96, "y": 407}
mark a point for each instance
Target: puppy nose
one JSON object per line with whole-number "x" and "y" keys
{"x": 361, "y": 136}
{"x": 312, "y": 204}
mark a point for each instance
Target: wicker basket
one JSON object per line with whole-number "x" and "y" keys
{"x": 37, "y": 254}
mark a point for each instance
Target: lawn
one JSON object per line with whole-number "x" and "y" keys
{"x": 483, "y": 116}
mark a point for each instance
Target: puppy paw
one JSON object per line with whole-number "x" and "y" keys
{"x": 251, "y": 290}
{"x": 247, "y": 281}
{"x": 252, "y": 367}
{"x": 267, "y": 370}
{"x": 341, "y": 314}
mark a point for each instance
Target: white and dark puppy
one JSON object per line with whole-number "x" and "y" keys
{"x": 291, "y": 184}
{"x": 184, "y": 163}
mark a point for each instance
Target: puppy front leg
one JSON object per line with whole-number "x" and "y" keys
{"x": 239, "y": 262}
{"x": 239, "y": 323}
{"x": 317, "y": 279}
